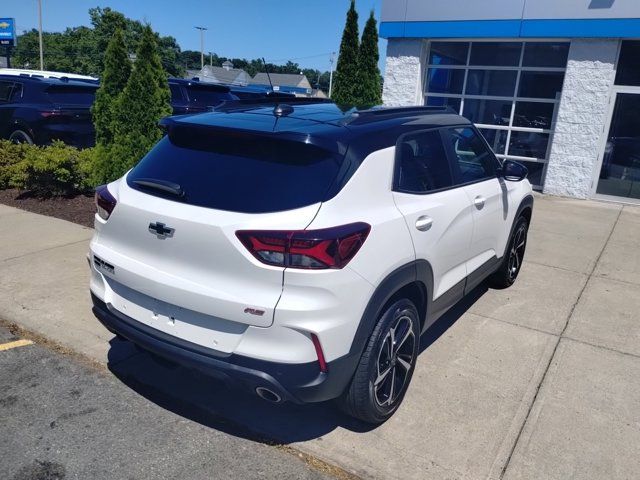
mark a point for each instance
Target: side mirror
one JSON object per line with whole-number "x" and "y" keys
{"x": 513, "y": 171}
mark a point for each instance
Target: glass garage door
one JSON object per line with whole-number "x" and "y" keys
{"x": 510, "y": 90}
{"x": 620, "y": 170}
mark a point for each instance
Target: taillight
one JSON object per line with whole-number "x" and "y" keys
{"x": 309, "y": 249}
{"x": 105, "y": 202}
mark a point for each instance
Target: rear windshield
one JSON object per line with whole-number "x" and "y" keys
{"x": 207, "y": 98}
{"x": 73, "y": 95}
{"x": 240, "y": 173}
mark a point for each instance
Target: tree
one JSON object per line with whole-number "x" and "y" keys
{"x": 144, "y": 101}
{"x": 346, "y": 78}
{"x": 368, "y": 85}
{"x": 117, "y": 68}
{"x": 82, "y": 49}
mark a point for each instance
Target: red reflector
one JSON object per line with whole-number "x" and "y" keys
{"x": 320, "y": 354}
{"x": 105, "y": 202}
{"x": 309, "y": 249}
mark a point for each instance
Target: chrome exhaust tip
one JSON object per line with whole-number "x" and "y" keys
{"x": 268, "y": 395}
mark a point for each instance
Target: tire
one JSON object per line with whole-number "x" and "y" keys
{"x": 506, "y": 275}
{"x": 375, "y": 403}
{"x": 20, "y": 136}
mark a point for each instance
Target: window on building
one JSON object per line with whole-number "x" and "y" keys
{"x": 628, "y": 65}
{"x": 510, "y": 90}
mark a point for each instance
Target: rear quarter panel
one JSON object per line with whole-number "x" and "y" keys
{"x": 331, "y": 303}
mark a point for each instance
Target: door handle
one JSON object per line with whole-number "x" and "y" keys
{"x": 424, "y": 223}
{"x": 479, "y": 202}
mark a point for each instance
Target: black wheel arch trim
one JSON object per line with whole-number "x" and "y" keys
{"x": 417, "y": 271}
{"x": 527, "y": 202}
{"x": 20, "y": 125}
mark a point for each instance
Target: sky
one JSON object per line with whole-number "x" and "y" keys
{"x": 301, "y": 31}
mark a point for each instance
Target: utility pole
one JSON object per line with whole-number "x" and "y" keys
{"x": 202, "y": 29}
{"x": 40, "y": 34}
{"x": 331, "y": 72}
{"x": 210, "y": 59}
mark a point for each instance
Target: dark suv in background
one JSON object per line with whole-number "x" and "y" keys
{"x": 192, "y": 96}
{"x": 39, "y": 110}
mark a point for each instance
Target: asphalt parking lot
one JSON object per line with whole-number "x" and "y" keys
{"x": 63, "y": 418}
{"x": 538, "y": 381}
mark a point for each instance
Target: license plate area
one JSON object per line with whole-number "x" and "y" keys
{"x": 204, "y": 330}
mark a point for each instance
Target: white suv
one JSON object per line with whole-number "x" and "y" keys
{"x": 299, "y": 251}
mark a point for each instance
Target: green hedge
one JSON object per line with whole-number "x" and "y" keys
{"x": 57, "y": 169}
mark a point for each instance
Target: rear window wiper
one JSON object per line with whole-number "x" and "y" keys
{"x": 160, "y": 185}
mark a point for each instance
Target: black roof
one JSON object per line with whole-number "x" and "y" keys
{"x": 318, "y": 118}
{"x": 348, "y": 132}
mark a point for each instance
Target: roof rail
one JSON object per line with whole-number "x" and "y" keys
{"x": 250, "y": 103}
{"x": 380, "y": 113}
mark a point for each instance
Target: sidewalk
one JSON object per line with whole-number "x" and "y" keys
{"x": 538, "y": 381}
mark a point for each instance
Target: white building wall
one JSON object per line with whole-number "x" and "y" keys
{"x": 403, "y": 73}
{"x": 582, "y": 117}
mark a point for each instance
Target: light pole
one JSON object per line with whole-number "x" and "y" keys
{"x": 40, "y": 34}
{"x": 331, "y": 73}
{"x": 202, "y": 29}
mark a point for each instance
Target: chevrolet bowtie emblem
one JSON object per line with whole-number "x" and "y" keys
{"x": 161, "y": 230}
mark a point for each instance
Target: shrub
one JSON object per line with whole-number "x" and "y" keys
{"x": 10, "y": 156}
{"x": 47, "y": 171}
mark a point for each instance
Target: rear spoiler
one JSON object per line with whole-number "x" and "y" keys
{"x": 249, "y": 103}
{"x": 202, "y": 136}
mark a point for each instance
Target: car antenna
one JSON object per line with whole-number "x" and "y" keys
{"x": 267, "y": 72}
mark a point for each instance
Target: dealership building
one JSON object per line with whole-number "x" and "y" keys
{"x": 554, "y": 84}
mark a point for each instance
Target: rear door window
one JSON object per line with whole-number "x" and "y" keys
{"x": 421, "y": 163}
{"x": 239, "y": 172}
{"x": 473, "y": 161}
{"x": 16, "y": 93}
{"x": 176, "y": 93}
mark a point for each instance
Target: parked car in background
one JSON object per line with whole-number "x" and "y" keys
{"x": 193, "y": 96}
{"x": 39, "y": 109}
{"x": 300, "y": 251}
{"x": 47, "y": 74}
{"x": 255, "y": 92}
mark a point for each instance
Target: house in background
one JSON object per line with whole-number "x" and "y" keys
{"x": 552, "y": 84}
{"x": 284, "y": 82}
{"x": 225, "y": 74}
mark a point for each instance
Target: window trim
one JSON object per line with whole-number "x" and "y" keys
{"x": 444, "y": 136}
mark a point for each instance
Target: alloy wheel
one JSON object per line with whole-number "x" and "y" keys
{"x": 19, "y": 137}
{"x": 516, "y": 254}
{"x": 395, "y": 359}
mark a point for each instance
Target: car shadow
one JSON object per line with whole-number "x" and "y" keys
{"x": 212, "y": 403}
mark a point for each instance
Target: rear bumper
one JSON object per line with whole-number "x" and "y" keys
{"x": 298, "y": 383}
